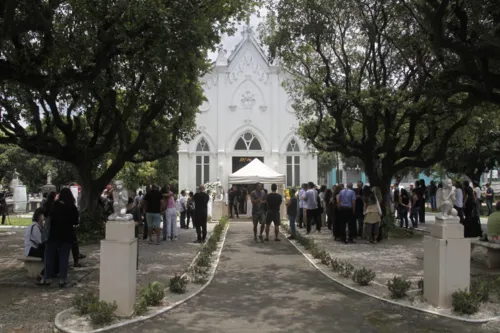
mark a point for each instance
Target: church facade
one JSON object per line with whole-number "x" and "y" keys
{"x": 247, "y": 115}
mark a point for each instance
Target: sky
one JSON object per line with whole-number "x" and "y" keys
{"x": 229, "y": 42}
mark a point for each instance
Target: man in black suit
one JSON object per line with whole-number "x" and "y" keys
{"x": 201, "y": 214}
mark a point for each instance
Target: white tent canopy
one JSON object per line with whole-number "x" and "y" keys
{"x": 256, "y": 172}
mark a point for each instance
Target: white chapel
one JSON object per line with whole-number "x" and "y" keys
{"x": 247, "y": 115}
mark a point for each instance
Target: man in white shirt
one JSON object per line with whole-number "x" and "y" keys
{"x": 183, "y": 209}
{"x": 311, "y": 202}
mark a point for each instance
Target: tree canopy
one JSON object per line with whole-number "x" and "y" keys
{"x": 363, "y": 83}
{"x": 465, "y": 36}
{"x": 82, "y": 80}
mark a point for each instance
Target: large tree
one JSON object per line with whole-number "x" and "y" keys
{"x": 82, "y": 80}
{"x": 465, "y": 35}
{"x": 363, "y": 83}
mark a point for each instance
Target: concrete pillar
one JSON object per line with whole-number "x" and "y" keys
{"x": 118, "y": 275}
{"x": 446, "y": 261}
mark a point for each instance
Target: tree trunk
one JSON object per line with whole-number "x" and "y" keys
{"x": 91, "y": 191}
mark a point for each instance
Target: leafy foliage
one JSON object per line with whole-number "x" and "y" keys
{"x": 153, "y": 293}
{"x": 102, "y": 313}
{"x": 82, "y": 302}
{"x": 178, "y": 284}
{"x": 346, "y": 270}
{"x": 141, "y": 307}
{"x": 363, "y": 83}
{"x": 465, "y": 35}
{"x": 363, "y": 276}
{"x": 129, "y": 97}
{"x": 465, "y": 302}
{"x": 398, "y": 287}
{"x": 481, "y": 289}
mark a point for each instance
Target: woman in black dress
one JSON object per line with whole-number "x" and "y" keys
{"x": 472, "y": 222}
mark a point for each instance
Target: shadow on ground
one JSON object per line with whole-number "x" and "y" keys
{"x": 270, "y": 287}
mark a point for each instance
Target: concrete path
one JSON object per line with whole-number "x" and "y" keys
{"x": 271, "y": 288}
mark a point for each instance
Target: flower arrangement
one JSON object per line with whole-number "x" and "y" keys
{"x": 211, "y": 187}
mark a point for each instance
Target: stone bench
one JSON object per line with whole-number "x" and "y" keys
{"x": 493, "y": 252}
{"x": 33, "y": 265}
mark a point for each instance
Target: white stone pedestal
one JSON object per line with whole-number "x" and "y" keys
{"x": 218, "y": 210}
{"x": 118, "y": 275}
{"x": 446, "y": 261}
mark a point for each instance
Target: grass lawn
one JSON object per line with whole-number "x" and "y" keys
{"x": 19, "y": 221}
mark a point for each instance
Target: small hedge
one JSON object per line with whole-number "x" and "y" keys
{"x": 82, "y": 302}
{"x": 398, "y": 287}
{"x": 153, "y": 293}
{"x": 465, "y": 302}
{"x": 102, "y": 313}
{"x": 363, "y": 276}
{"x": 178, "y": 284}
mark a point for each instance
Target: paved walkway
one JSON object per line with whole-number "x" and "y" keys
{"x": 20, "y": 298}
{"x": 272, "y": 288}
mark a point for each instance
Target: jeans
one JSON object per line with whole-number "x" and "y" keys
{"x": 403, "y": 217}
{"x": 489, "y": 204}
{"x": 292, "y": 218}
{"x": 170, "y": 223}
{"x": 433, "y": 202}
{"x": 183, "y": 219}
{"x": 50, "y": 258}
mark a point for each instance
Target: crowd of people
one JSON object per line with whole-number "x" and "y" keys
{"x": 161, "y": 204}
{"x": 356, "y": 213}
{"x": 52, "y": 236}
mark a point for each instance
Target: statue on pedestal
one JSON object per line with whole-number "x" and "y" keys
{"x": 49, "y": 178}
{"x": 446, "y": 198}
{"x": 120, "y": 201}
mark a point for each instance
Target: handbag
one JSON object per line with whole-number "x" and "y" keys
{"x": 378, "y": 207}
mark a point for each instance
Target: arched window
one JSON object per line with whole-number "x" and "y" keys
{"x": 202, "y": 145}
{"x": 292, "y": 164}
{"x": 202, "y": 162}
{"x": 248, "y": 141}
{"x": 293, "y": 146}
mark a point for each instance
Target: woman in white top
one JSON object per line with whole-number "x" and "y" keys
{"x": 33, "y": 246}
{"x": 459, "y": 201}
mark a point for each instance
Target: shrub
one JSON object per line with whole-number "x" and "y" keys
{"x": 141, "y": 307}
{"x": 346, "y": 270}
{"x": 336, "y": 265}
{"x": 420, "y": 284}
{"x": 481, "y": 289}
{"x": 200, "y": 279}
{"x": 82, "y": 302}
{"x": 153, "y": 293}
{"x": 178, "y": 284}
{"x": 398, "y": 287}
{"x": 203, "y": 259}
{"x": 363, "y": 276}
{"x": 102, "y": 313}
{"x": 465, "y": 302}
{"x": 325, "y": 260}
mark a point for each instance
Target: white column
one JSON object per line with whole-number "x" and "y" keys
{"x": 446, "y": 261}
{"x": 118, "y": 267}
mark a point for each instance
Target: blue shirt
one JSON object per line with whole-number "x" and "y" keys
{"x": 346, "y": 197}
{"x": 301, "y": 202}
{"x": 311, "y": 199}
